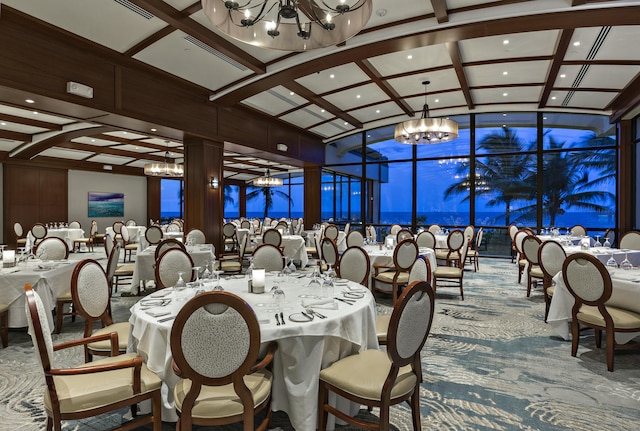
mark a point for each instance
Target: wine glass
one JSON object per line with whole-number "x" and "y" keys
{"x": 598, "y": 243}
{"x": 626, "y": 263}
{"x": 606, "y": 244}
{"x": 197, "y": 282}
{"x": 315, "y": 284}
{"x": 611, "y": 263}
{"x": 277, "y": 294}
{"x": 326, "y": 290}
{"x": 217, "y": 273}
{"x": 286, "y": 271}
{"x": 180, "y": 286}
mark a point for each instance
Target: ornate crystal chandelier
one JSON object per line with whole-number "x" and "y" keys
{"x": 289, "y": 25}
{"x": 426, "y": 130}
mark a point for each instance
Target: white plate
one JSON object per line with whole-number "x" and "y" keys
{"x": 299, "y": 317}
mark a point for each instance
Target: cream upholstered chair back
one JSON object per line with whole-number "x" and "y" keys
{"x": 630, "y": 240}
{"x": 530, "y": 247}
{"x": 434, "y": 229}
{"x": 39, "y": 231}
{"x": 269, "y": 257}
{"x": 90, "y": 289}
{"x": 371, "y": 234}
{"x": 39, "y": 328}
{"x": 168, "y": 266}
{"x": 479, "y": 236}
{"x": 174, "y": 226}
{"x": 579, "y": 230}
{"x": 403, "y": 234}
{"x": 18, "y": 230}
{"x": 405, "y": 254}
{"x": 117, "y": 226}
{"x": 108, "y": 244}
{"x": 426, "y": 239}
{"x": 395, "y": 228}
{"x": 513, "y": 229}
{"x": 332, "y": 232}
{"x": 421, "y": 270}
{"x": 610, "y": 234}
{"x": 518, "y": 239}
{"x": 410, "y": 324}
{"x": 131, "y": 222}
{"x": 166, "y": 244}
{"x": 329, "y": 251}
{"x": 112, "y": 262}
{"x": 272, "y": 236}
{"x": 587, "y": 279}
{"x": 355, "y": 265}
{"x": 124, "y": 231}
{"x": 52, "y": 248}
{"x": 355, "y": 238}
{"x": 469, "y": 232}
{"x": 196, "y": 236}
{"x": 74, "y": 225}
{"x": 256, "y": 225}
{"x": 245, "y": 224}
{"x": 347, "y": 228}
{"x": 153, "y": 234}
{"x": 551, "y": 256}
{"x": 455, "y": 240}
{"x": 283, "y": 227}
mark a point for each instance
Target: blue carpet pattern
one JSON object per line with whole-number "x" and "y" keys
{"x": 490, "y": 363}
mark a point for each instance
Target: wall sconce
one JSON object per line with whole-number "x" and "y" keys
{"x": 213, "y": 183}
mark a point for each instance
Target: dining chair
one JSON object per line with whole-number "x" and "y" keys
{"x": 512, "y": 230}
{"x": 420, "y": 271}
{"x": 452, "y": 274}
{"x": 229, "y": 236}
{"x": 88, "y": 390}
{"x": 330, "y": 256}
{"x": 131, "y": 222}
{"x": 108, "y": 244}
{"x": 379, "y": 378}
{"x": 630, "y": 240}
{"x": 92, "y": 300}
{"x": 39, "y": 232}
{"x": 87, "y": 241}
{"x": 403, "y": 234}
{"x": 354, "y": 264}
{"x": 521, "y": 260}
{"x": 347, "y": 228}
{"x": 117, "y": 272}
{"x": 551, "y": 256}
{"x": 4, "y": 325}
{"x": 474, "y": 252}
{"x": 355, "y": 238}
{"x": 530, "y": 247}
{"x": 74, "y": 225}
{"x": 371, "y": 234}
{"x": 405, "y": 254}
{"x": 245, "y": 224}
{"x": 196, "y": 236}
{"x": 394, "y": 229}
{"x": 232, "y": 262}
{"x": 117, "y": 230}
{"x": 175, "y": 226}
{"x": 170, "y": 264}
{"x": 434, "y": 229}
{"x": 215, "y": 344}
{"x": 283, "y": 227}
{"x": 426, "y": 239}
{"x": 589, "y": 282}
{"x": 470, "y": 234}
{"x": 18, "y": 230}
{"x": 272, "y": 236}
{"x": 166, "y": 244}
{"x": 153, "y": 234}
{"x": 451, "y": 255}
{"x": 578, "y": 230}
{"x": 52, "y": 248}
{"x": 127, "y": 245}
{"x": 268, "y": 257}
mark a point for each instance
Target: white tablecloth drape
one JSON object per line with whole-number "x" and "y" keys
{"x": 66, "y": 234}
{"x": 625, "y": 294}
{"x": 136, "y": 235}
{"x": 303, "y": 348}
{"x": 294, "y": 247}
{"x": 380, "y": 255}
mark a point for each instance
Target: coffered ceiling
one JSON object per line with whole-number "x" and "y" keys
{"x": 480, "y": 56}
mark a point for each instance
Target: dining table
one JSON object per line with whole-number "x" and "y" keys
{"x": 294, "y": 247}
{"x": 380, "y": 255}
{"x": 605, "y": 253}
{"x": 49, "y": 278}
{"x": 306, "y": 344}
{"x": 144, "y": 267}
{"x": 64, "y": 233}
{"x": 136, "y": 235}
{"x": 625, "y": 294}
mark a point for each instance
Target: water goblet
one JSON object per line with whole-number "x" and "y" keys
{"x": 180, "y": 286}
{"x": 286, "y": 271}
{"x": 196, "y": 270}
{"x": 217, "y": 273}
{"x": 606, "y": 244}
{"x": 626, "y": 263}
{"x": 611, "y": 263}
{"x": 314, "y": 284}
{"x": 326, "y": 290}
{"x": 598, "y": 243}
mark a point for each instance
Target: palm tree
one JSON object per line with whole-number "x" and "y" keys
{"x": 227, "y": 195}
{"x": 502, "y": 177}
{"x": 268, "y": 193}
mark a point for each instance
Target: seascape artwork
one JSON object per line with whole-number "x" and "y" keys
{"x": 104, "y": 204}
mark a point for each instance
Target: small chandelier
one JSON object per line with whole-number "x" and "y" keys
{"x": 267, "y": 181}
{"x": 289, "y": 25}
{"x": 426, "y": 130}
{"x": 168, "y": 168}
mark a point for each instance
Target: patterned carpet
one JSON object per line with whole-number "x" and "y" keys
{"x": 490, "y": 363}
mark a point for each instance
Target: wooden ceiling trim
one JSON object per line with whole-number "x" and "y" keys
{"x": 109, "y": 150}
{"x": 375, "y": 76}
{"x": 497, "y": 3}
{"x": 302, "y": 91}
{"x": 553, "y": 21}
{"x": 79, "y": 165}
{"x": 418, "y": 72}
{"x": 456, "y": 59}
{"x": 147, "y": 42}
{"x": 15, "y": 136}
{"x": 138, "y": 142}
{"x": 561, "y": 51}
{"x": 626, "y": 101}
{"x": 602, "y": 62}
{"x": 294, "y": 109}
{"x": 235, "y": 160}
{"x": 440, "y": 10}
{"x": 30, "y": 122}
{"x": 182, "y": 21}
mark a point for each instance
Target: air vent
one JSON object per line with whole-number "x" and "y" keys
{"x": 215, "y": 52}
{"x": 135, "y": 8}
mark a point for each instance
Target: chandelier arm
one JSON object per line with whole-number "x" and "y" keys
{"x": 357, "y": 6}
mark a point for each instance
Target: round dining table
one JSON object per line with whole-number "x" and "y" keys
{"x": 305, "y": 346}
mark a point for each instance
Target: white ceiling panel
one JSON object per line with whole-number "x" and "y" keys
{"x": 65, "y": 153}
{"x": 135, "y": 149}
{"x": 111, "y": 160}
{"x": 359, "y": 96}
{"x": 9, "y": 144}
{"x": 126, "y": 135}
{"x": 373, "y": 113}
{"x": 585, "y": 100}
{"x": 385, "y": 11}
{"x": 609, "y": 76}
{"x": 40, "y": 116}
{"x": 343, "y": 76}
{"x": 513, "y": 95}
{"x": 507, "y": 73}
{"x": 94, "y": 141}
{"x": 422, "y": 58}
{"x": 306, "y": 117}
{"x": 520, "y": 45}
{"x": 439, "y": 104}
{"x": 439, "y": 80}
{"x": 21, "y": 128}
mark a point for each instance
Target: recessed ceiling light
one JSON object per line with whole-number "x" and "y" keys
{"x": 291, "y": 93}
{"x": 505, "y": 94}
{"x": 505, "y": 42}
{"x": 346, "y": 124}
{"x": 358, "y": 96}
{"x": 553, "y": 98}
{"x": 576, "y": 43}
{"x": 504, "y": 115}
{"x": 505, "y": 73}
{"x": 409, "y": 57}
{"x": 563, "y": 76}
{"x": 437, "y": 100}
{"x": 124, "y": 133}
{"x": 93, "y": 140}
{"x": 377, "y": 111}
{"x": 332, "y": 76}
{"x": 322, "y": 110}
{"x": 154, "y": 130}
{"x": 35, "y": 112}
{"x": 3, "y": 124}
{"x": 30, "y": 101}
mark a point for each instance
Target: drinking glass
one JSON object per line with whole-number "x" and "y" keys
{"x": 606, "y": 244}
{"x": 326, "y": 290}
{"x": 315, "y": 284}
{"x": 611, "y": 263}
{"x": 626, "y": 263}
{"x": 197, "y": 282}
{"x": 286, "y": 271}
{"x": 217, "y": 273}
{"x": 598, "y": 243}
{"x": 277, "y": 294}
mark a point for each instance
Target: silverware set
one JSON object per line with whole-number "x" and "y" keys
{"x": 280, "y": 318}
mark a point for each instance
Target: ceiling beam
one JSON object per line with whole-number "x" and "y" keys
{"x": 376, "y": 77}
{"x": 29, "y": 151}
{"x": 440, "y": 10}
{"x": 560, "y": 52}
{"x": 15, "y": 136}
{"x": 329, "y": 107}
{"x": 108, "y": 150}
{"x": 30, "y": 122}
{"x": 180, "y": 20}
{"x": 456, "y": 59}
{"x": 626, "y": 101}
{"x": 236, "y": 160}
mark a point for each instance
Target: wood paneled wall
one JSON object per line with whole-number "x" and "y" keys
{"x": 31, "y": 195}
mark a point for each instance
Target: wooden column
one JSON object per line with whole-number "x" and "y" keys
{"x": 626, "y": 178}
{"x": 312, "y": 195}
{"x": 153, "y": 199}
{"x": 203, "y": 204}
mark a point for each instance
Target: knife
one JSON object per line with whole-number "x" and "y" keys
{"x": 345, "y": 301}
{"x": 277, "y": 320}
{"x": 282, "y": 318}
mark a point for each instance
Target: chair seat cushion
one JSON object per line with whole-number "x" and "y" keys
{"x": 622, "y": 319}
{"x": 222, "y": 401}
{"x": 88, "y": 391}
{"x": 125, "y": 269}
{"x": 536, "y": 272}
{"x": 447, "y": 272}
{"x": 131, "y": 246}
{"x": 122, "y": 328}
{"x": 364, "y": 375}
{"x": 230, "y": 266}
{"x": 3, "y": 308}
{"x": 551, "y": 290}
{"x": 66, "y": 296}
{"x": 382, "y": 327}
{"x": 387, "y": 277}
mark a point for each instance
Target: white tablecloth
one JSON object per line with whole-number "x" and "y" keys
{"x": 136, "y": 234}
{"x": 48, "y": 283}
{"x": 66, "y": 234}
{"x": 382, "y": 256}
{"x": 603, "y": 254}
{"x": 303, "y": 348}
{"x": 625, "y": 294}
{"x": 294, "y": 247}
{"x": 144, "y": 269}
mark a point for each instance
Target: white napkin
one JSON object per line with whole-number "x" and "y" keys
{"x": 328, "y": 304}
{"x": 160, "y": 293}
{"x": 157, "y": 313}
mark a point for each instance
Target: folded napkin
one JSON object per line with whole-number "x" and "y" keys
{"x": 160, "y": 293}
{"x": 328, "y": 304}
{"x": 157, "y": 313}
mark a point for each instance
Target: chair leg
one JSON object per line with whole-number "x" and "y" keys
{"x": 322, "y": 413}
{"x": 575, "y": 337}
{"x": 415, "y": 409}
{"x": 4, "y": 328}
{"x": 59, "y": 314}
{"x": 598, "y": 334}
{"x": 611, "y": 346}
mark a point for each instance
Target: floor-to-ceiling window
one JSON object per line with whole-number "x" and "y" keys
{"x": 231, "y": 201}
{"x": 286, "y": 200}
{"x": 171, "y": 199}
{"x": 531, "y": 169}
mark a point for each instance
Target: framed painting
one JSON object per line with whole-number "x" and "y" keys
{"x": 104, "y": 204}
